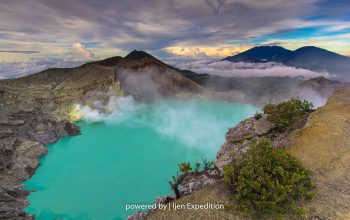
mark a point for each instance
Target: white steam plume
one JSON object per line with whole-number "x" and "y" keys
{"x": 186, "y": 122}
{"x": 117, "y": 110}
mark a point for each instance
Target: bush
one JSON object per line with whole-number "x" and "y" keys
{"x": 285, "y": 113}
{"x": 228, "y": 174}
{"x": 258, "y": 115}
{"x": 267, "y": 180}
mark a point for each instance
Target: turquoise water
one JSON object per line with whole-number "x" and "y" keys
{"x": 127, "y": 157}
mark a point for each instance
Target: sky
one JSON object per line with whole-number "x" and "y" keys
{"x": 67, "y": 32}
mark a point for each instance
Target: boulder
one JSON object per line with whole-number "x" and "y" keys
{"x": 27, "y": 157}
{"x": 263, "y": 126}
{"x": 244, "y": 130}
{"x": 193, "y": 183}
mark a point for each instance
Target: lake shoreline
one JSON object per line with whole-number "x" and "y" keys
{"x": 138, "y": 130}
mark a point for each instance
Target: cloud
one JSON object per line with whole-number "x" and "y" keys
{"x": 19, "y": 69}
{"x": 204, "y": 52}
{"x": 19, "y": 51}
{"x": 83, "y": 51}
{"x": 157, "y": 24}
{"x": 241, "y": 69}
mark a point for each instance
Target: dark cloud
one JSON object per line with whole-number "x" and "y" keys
{"x": 19, "y": 51}
{"x": 19, "y": 69}
{"x": 148, "y": 25}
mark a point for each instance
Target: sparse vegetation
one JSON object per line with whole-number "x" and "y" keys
{"x": 266, "y": 180}
{"x": 209, "y": 170}
{"x": 283, "y": 115}
{"x": 185, "y": 167}
{"x": 258, "y": 115}
{"x": 208, "y": 164}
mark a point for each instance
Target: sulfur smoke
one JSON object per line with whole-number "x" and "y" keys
{"x": 191, "y": 123}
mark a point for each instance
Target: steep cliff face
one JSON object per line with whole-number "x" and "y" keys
{"x": 322, "y": 144}
{"x": 54, "y": 91}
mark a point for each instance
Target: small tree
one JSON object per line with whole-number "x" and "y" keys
{"x": 184, "y": 167}
{"x": 208, "y": 164}
{"x": 285, "y": 113}
{"x": 209, "y": 170}
{"x": 258, "y": 115}
{"x": 196, "y": 169}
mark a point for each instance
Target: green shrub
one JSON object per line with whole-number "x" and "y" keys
{"x": 267, "y": 180}
{"x": 185, "y": 167}
{"x": 258, "y": 115}
{"x": 228, "y": 174}
{"x": 285, "y": 113}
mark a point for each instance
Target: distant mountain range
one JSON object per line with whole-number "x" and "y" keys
{"x": 312, "y": 58}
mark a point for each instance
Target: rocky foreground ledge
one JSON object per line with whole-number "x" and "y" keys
{"x": 321, "y": 142}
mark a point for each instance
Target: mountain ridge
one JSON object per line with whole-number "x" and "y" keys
{"x": 269, "y": 49}
{"x": 308, "y": 57}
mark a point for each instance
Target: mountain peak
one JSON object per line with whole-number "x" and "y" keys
{"x": 269, "y": 47}
{"x": 316, "y": 51}
{"x": 138, "y": 54}
{"x": 311, "y": 48}
{"x": 260, "y": 54}
{"x": 272, "y": 50}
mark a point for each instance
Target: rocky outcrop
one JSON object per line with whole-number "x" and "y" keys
{"x": 193, "y": 183}
{"x": 26, "y": 159}
{"x": 240, "y": 137}
{"x": 12, "y": 201}
{"x": 54, "y": 92}
{"x": 248, "y": 129}
{"x": 25, "y": 135}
